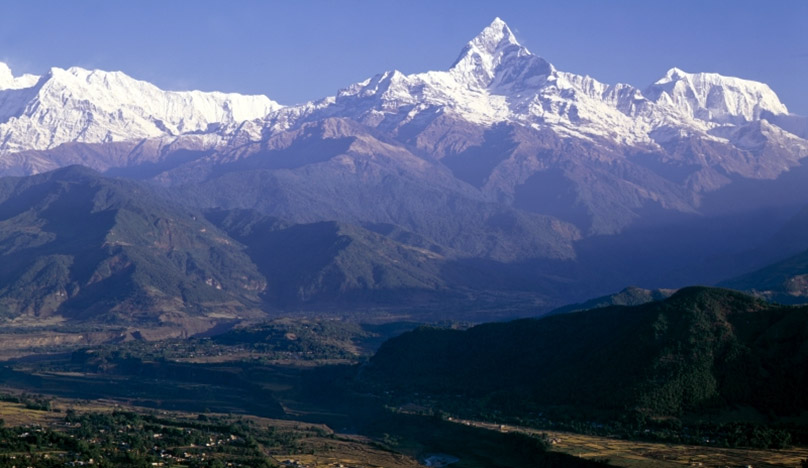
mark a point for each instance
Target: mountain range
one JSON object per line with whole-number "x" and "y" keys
{"x": 79, "y": 246}
{"x": 501, "y": 177}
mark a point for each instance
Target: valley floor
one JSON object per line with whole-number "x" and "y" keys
{"x": 298, "y": 444}
{"x": 317, "y": 446}
{"x": 635, "y": 454}
{"x": 265, "y": 399}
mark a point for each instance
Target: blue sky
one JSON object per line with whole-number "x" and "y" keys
{"x": 294, "y": 51}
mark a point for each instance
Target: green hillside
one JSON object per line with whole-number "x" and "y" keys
{"x": 80, "y": 246}
{"x": 701, "y": 348}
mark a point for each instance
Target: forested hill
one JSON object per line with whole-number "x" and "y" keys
{"x": 701, "y": 347}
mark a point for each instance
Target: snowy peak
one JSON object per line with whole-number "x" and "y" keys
{"x": 715, "y": 98}
{"x": 115, "y": 90}
{"x": 496, "y": 79}
{"x": 495, "y": 59}
{"x": 6, "y": 77}
{"x": 95, "y": 106}
{"x": 9, "y": 81}
{"x": 491, "y": 40}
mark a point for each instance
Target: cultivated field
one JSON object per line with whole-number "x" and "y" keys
{"x": 635, "y": 454}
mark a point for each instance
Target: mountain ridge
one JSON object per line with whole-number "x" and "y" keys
{"x": 493, "y": 61}
{"x": 77, "y": 246}
{"x": 657, "y": 151}
{"x": 94, "y": 106}
{"x": 500, "y": 160}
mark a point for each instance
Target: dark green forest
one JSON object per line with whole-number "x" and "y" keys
{"x": 700, "y": 354}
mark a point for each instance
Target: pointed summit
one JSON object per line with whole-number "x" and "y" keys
{"x": 495, "y": 58}
{"x": 494, "y": 37}
{"x": 672, "y": 75}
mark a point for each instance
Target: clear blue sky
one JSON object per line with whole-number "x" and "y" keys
{"x": 294, "y": 51}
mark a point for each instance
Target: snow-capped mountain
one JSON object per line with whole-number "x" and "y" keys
{"x": 497, "y": 80}
{"x": 9, "y": 81}
{"x": 494, "y": 80}
{"x": 526, "y": 134}
{"x": 500, "y": 125}
{"x": 501, "y": 164}
{"x": 93, "y": 106}
{"x": 711, "y": 97}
